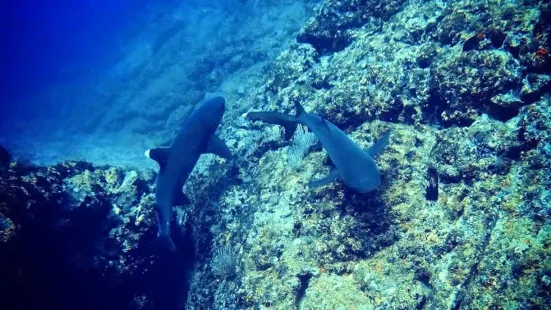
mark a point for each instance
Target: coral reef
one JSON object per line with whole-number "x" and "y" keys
{"x": 465, "y": 88}
{"x": 72, "y": 229}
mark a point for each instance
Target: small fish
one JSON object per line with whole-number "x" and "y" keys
{"x": 432, "y": 188}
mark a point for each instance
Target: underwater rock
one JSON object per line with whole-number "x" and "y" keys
{"x": 386, "y": 73}
{"x": 465, "y": 84}
{"x": 478, "y": 116}
{"x": 535, "y": 86}
{"x": 7, "y": 229}
{"x": 536, "y": 53}
{"x": 487, "y": 146}
{"x": 328, "y": 30}
{"x": 535, "y": 133}
{"x": 427, "y": 55}
{"x": 5, "y": 157}
{"x": 74, "y": 228}
{"x": 290, "y": 65}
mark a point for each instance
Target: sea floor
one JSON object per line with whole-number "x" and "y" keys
{"x": 100, "y": 150}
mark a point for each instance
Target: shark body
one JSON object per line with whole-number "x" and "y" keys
{"x": 196, "y": 137}
{"x": 354, "y": 166}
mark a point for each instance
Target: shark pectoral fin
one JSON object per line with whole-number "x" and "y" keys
{"x": 290, "y": 129}
{"x": 181, "y": 199}
{"x": 159, "y": 155}
{"x": 379, "y": 146}
{"x": 216, "y": 146}
{"x": 326, "y": 180}
{"x": 329, "y": 162}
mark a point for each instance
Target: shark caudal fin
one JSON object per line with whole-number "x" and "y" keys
{"x": 165, "y": 242}
{"x": 282, "y": 119}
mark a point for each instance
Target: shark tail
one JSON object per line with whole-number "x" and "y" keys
{"x": 166, "y": 243}
{"x": 287, "y": 121}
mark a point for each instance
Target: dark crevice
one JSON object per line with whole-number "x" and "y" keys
{"x": 325, "y": 45}
{"x": 540, "y": 88}
{"x": 433, "y": 108}
{"x": 473, "y": 42}
{"x": 502, "y": 113}
{"x": 422, "y": 303}
{"x": 394, "y": 111}
{"x": 474, "y": 270}
{"x": 497, "y": 37}
{"x": 423, "y": 275}
{"x": 321, "y": 84}
{"x": 303, "y": 286}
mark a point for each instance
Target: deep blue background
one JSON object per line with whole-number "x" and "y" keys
{"x": 43, "y": 42}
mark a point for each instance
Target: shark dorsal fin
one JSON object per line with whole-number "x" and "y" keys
{"x": 159, "y": 155}
{"x": 379, "y": 146}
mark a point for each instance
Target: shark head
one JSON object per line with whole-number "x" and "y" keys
{"x": 211, "y": 111}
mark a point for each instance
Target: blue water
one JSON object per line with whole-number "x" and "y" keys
{"x": 49, "y": 42}
{"x": 68, "y": 67}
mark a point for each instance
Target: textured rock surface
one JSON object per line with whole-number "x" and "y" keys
{"x": 463, "y": 85}
{"x": 72, "y": 229}
{"x": 465, "y": 91}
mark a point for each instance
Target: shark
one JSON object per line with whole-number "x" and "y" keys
{"x": 352, "y": 165}
{"x": 195, "y": 137}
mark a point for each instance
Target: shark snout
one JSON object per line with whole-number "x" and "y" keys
{"x": 216, "y": 104}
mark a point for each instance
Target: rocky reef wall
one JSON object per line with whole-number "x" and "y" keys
{"x": 78, "y": 236}
{"x": 464, "y": 87}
